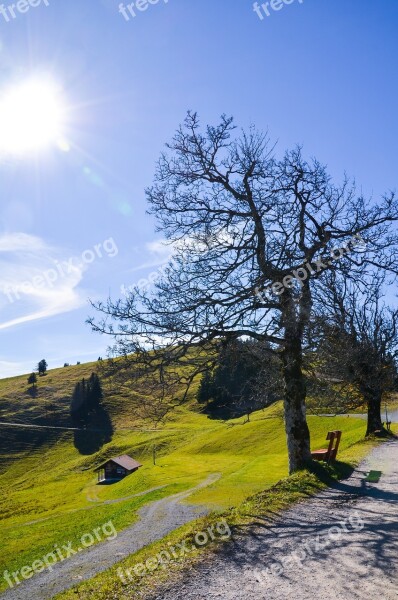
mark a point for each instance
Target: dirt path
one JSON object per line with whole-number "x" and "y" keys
{"x": 156, "y": 520}
{"x": 356, "y": 560}
{"x": 96, "y": 502}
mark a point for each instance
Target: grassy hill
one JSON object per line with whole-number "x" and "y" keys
{"x": 49, "y": 490}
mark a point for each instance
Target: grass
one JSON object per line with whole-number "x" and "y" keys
{"x": 50, "y": 495}
{"x": 261, "y": 507}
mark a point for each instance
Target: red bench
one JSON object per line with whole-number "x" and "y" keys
{"x": 330, "y": 453}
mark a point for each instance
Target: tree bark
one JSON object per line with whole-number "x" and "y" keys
{"x": 374, "y": 413}
{"x": 297, "y": 431}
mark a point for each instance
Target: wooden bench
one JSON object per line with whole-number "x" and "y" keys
{"x": 330, "y": 453}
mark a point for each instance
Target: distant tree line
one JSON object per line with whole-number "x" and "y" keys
{"x": 236, "y": 386}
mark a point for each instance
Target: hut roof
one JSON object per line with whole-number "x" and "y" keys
{"x": 124, "y": 461}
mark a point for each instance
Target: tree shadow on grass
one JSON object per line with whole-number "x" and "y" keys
{"x": 32, "y": 391}
{"x": 91, "y": 439}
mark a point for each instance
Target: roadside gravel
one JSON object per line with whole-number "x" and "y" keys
{"x": 358, "y": 559}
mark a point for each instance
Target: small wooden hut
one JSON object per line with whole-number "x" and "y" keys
{"x": 117, "y": 468}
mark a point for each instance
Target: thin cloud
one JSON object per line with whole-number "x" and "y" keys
{"x": 21, "y": 242}
{"x": 158, "y": 253}
{"x": 54, "y": 304}
{"x": 24, "y": 261}
{"x": 11, "y": 369}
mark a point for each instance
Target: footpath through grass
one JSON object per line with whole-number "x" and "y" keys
{"x": 50, "y": 496}
{"x": 260, "y": 507}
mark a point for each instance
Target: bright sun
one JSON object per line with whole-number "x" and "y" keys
{"x": 31, "y": 117}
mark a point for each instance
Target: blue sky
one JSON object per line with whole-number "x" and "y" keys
{"x": 322, "y": 73}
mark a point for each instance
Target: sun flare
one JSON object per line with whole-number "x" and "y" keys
{"x": 31, "y": 117}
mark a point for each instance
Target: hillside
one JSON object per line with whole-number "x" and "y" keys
{"x": 50, "y": 493}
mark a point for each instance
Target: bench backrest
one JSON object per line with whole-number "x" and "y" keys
{"x": 334, "y": 437}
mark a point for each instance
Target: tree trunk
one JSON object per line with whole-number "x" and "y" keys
{"x": 374, "y": 413}
{"x": 297, "y": 432}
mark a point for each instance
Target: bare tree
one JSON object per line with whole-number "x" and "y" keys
{"x": 357, "y": 343}
{"x": 240, "y": 220}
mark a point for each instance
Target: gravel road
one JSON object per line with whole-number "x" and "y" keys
{"x": 156, "y": 520}
{"x": 297, "y": 558}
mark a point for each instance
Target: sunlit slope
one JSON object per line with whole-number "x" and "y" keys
{"x": 49, "y": 489}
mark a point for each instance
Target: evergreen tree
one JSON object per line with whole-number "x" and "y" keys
{"x": 206, "y": 388}
{"x": 86, "y": 399}
{"x": 78, "y": 408}
{"x": 32, "y": 379}
{"x": 42, "y": 367}
{"x": 94, "y": 393}
{"x": 237, "y": 385}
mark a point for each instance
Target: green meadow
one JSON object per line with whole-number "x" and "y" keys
{"x": 49, "y": 489}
